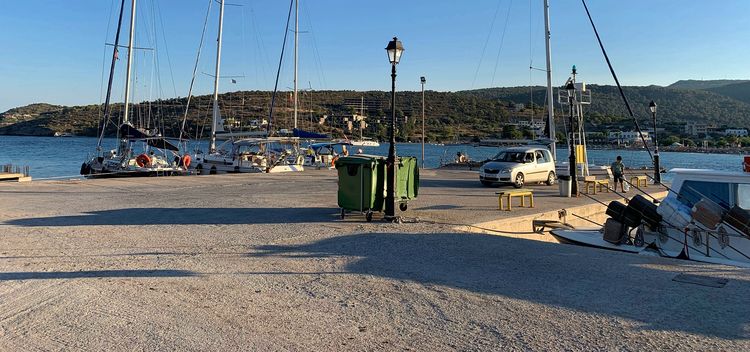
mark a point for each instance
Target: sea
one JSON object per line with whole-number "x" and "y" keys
{"x": 61, "y": 157}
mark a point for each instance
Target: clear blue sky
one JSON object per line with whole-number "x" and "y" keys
{"x": 53, "y": 50}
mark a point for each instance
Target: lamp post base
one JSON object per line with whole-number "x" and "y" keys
{"x": 395, "y": 219}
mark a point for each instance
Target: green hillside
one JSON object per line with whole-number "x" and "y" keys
{"x": 739, "y": 91}
{"x": 450, "y": 115}
{"x": 701, "y": 84}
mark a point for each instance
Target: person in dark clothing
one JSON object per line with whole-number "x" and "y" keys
{"x": 618, "y": 171}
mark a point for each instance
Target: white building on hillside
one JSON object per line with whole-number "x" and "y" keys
{"x": 739, "y": 132}
{"x": 628, "y": 137}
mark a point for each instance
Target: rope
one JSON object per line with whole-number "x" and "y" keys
{"x": 617, "y": 81}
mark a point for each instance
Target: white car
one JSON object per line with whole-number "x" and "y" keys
{"x": 518, "y": 166}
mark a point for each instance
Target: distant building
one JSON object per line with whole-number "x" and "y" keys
{"x": 739, "y": 132}
{"x": 627, "y": 137}
{"x": 695, "y": 128}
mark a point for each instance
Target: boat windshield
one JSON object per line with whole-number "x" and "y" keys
{"x": 509, "y": 156}
{"x": 724, "y": 194}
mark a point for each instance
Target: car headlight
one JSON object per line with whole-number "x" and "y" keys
{"x": 506, "y": 171}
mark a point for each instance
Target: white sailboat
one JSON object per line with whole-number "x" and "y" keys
{"x": 238, "y": 153}
{"x": 158, "y": 155}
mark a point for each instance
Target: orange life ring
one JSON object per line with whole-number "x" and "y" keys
{"x": 143, "y": 160}
{"x": 333, "y": 161}
{"x": 186, "y": 160}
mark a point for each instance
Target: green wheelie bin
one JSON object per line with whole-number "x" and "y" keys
{"x": 407, "y": 181}
{"x": 361, "y": 184}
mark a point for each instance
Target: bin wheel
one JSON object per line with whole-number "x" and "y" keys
{"x": 343, "y": 213}
{"x": 368, "y": 216}
{"x": 403, "y": 206}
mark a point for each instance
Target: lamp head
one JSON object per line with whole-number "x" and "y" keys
{"x": 394, "y": 49}
{"x": 652, "y": 107}
{"x": 423, "y": 80}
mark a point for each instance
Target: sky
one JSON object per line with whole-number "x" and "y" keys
{"x": 55, "y": 51}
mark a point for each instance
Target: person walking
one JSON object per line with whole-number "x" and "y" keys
{"x": 618, "y": 171}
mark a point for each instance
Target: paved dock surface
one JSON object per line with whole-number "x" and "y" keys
{"x": 262, "y": 262}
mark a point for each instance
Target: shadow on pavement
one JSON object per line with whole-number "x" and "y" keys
{"x": 184, "y": 216}
{"x": 565, "y": 276}
{"x": 46, "y": 275}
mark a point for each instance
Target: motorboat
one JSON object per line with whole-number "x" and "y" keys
{"x": 324, "y": 154}
{"x": 705, "y": 217}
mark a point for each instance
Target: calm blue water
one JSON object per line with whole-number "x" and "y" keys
{"x": 62, "y": 157}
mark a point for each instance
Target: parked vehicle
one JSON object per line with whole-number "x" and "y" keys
{"x": 519, "y": 165}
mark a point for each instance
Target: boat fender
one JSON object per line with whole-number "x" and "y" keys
{"x": 143, "y": 160}
{"x": 333, "y": 161}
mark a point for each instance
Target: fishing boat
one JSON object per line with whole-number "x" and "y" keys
{"x": 139, "y": 152}
{"x": 705, "y": 217}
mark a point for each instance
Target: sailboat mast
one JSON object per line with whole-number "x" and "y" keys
{"x": 130, "y": 62}
{"x": 550, "y": 98}
{"x": 215, "y": 115}
{"x": 296, "y": 56}
{"x": 107, "y": 107}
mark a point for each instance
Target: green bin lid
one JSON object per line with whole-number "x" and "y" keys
{"x": 359, "y": 159}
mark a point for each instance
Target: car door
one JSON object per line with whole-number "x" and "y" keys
{"x": 530, "y": 168}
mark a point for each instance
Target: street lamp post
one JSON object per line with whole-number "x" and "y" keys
{"x": 657, "y": 167}
{"x": 571, "y": 88}
{"x": 394, "y": 50}
{"x": 423, "y": 81}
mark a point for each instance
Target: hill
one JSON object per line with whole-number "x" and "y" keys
{"x": 739, "y": 91}
{"x": 676, "y": 106}
{"x": 450, "y": 115}
{"x": 701, "y": 84}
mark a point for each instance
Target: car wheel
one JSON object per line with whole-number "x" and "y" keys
{"x": 487, "y": 183}
{"x": 551, "y": 178}
{"x": 518, "y": 183}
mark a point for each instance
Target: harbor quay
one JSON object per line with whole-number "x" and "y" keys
{"x": 264, "y": 262}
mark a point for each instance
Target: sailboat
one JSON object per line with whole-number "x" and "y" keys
{"x": 239, "y": 153}
{"x": 158, "y": 155}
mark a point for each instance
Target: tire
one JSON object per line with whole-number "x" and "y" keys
{"x": 212, "y": 171}
{"x": 519, "y": 180}
{"x": 403, "y": 206}
{"x": 343, "y": 213}
{"x": 199, "y": 169}
{"x": 550, "y": 178}
{"x": 486, "y": 183}
{"x": 368, "y": 216}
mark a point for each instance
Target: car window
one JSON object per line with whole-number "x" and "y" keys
{"x": 529, "y": 158}
{"x": 540, "y": 157}
{"x": 516, "y": 157}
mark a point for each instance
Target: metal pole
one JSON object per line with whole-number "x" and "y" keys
{"x": 130, "y": 62}
{"x": 657, "y": 167}
{"x": 423, "y": 122}
{"x": 390, "y": 198}
{"x": 296, "y": 56}
{"x": 550, "y": 98}
{"x": 572, "y": 160}
{"x": 215, "y": 115}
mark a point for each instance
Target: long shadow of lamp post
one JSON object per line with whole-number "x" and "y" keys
{"x": 394, "y": 50}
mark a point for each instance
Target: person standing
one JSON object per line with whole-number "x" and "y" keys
{"x": 618, "y": 172}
